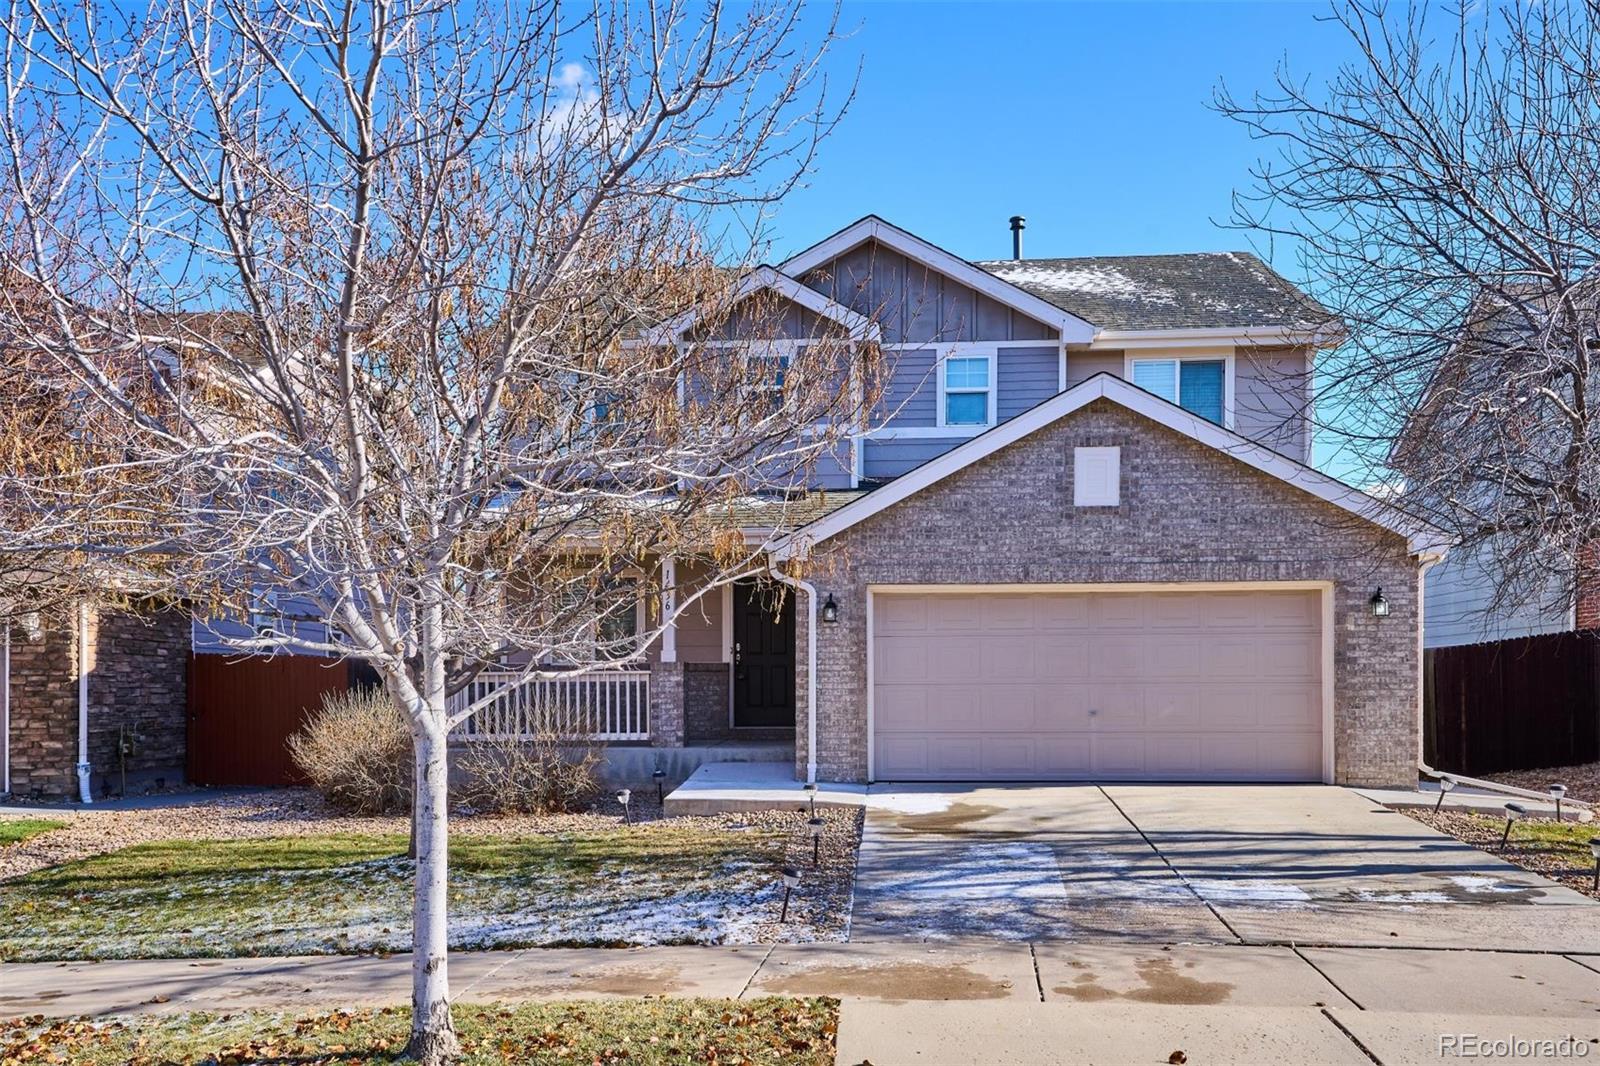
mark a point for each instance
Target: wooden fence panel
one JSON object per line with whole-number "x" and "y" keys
{"x": 1513, "y": 704}
{"x": 243, "y": 711}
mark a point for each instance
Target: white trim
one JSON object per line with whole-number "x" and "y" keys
{"x": 85, "y": 664}
{"x": 1072, "y": 328}
{"x": 914, "y": 432}
{"x": 669, "y": 608}
{"x": 991, "y": 390}
{"x": 1324, "y": 588}
{"x": 1422, "y": 539}
{"x": 727, "y": 627}
{"x": 1289, "y": 336}
{"x": 1223, "y": 355}
{"x": 764, "y": 278}
{"x": 811, "y": 667}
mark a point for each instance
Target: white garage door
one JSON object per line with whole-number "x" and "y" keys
{"x": 1178, "y": 686}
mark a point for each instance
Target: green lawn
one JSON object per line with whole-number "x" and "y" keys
{"x": 640, "y": 1032}
{"x": 658, "y": 883}
{"x": 16, "y": 830}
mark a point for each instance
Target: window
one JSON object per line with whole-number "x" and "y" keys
{"x": 768, "y": 373}
{"x": 263, "y": 614}
{"x": 1196, "y": 385}
{"x": 966, "y": 391}
{"x": 618, "y": 628}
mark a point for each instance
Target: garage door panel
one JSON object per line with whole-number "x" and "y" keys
{"x": 1125, "y": 686}
{"x": 1064, "y": 755}
{"x": 1007, "y": 658}
{"x": 894, "y": 615}
{"x": 899, "y": 658}
{"x": 1064, "y": 659}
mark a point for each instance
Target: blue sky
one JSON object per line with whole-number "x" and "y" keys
{"x": 1089, "y": 118}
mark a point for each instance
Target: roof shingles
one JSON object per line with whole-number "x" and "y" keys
{"x": 1202, "y": 290}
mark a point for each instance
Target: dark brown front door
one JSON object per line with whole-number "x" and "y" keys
{"x": 763, "y": 656}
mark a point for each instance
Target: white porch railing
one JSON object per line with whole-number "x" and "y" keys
{"x": 604, "y": 705}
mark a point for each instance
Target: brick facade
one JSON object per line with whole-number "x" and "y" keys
{"x": 705, "y": 702}
{"x": 137, "y": 680}
{"x": 666, "y": 705}
{"x": 1188, "y": 514}
{"x": 1586, "y": 604}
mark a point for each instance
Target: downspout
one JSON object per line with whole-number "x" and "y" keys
{"x": 85, "y": 794}
{"x": 811, "y": 668}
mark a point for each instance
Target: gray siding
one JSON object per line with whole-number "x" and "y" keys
{"x": 1081, "y": 366}
{"x": 1458, "y": 604}
{"x": 1270, "y": 398}
{"x": 213, "y": 635}
{"x": 913, "y": 303}
{"x": 912, "y": 393}
{"x": 1027, "y": 377}
{"x": 891, "y": 458}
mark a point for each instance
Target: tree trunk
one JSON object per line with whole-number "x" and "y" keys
{"x": 433, "y": 1037}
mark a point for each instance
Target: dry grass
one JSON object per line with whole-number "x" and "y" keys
{"x": 640, "y": 1032}
{"x": 1557, "y": 850}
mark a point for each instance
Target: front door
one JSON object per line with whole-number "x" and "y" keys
{"x": 763, "y": 656}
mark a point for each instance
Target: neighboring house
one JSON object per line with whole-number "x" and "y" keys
{"x": 1083, "y": 544}
{"x": 98, "y": 687}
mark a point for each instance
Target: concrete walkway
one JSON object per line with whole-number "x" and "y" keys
{"x": 966, "y": 1002}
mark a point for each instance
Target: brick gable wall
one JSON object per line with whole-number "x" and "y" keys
{"x": 1187, "y": 514}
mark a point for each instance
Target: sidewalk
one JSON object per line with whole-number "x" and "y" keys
{"x": 1026, "y": 975}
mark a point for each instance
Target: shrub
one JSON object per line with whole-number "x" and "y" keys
{"x": 356, "y": 750}
{"x": 529, "y": 775}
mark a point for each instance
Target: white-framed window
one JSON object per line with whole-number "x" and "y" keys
{"x": 1201, "y": 385}
{"x": 769, "y": 370}
{"x": 966, "y": 390}
{"x": 264, "y": 615}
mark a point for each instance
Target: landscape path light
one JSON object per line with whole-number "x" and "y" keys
{"x": 661, "y": 797}
{"x": 1594, "y": 849}
{"x": 1446, "y": 783}
{"x": 814, "y": 827}
{"x": 1513, "y": 812}
{"x": 1558, "y": 792}
{"x": 810, "y": 789}
{"x": 791, "y": 880}
{"x": 623, "y": 796}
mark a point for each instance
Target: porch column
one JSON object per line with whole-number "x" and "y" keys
{"x": 669, "y": 605}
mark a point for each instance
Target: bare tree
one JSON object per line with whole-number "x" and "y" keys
{"x": 1443, "y": 194}
{"x": 349, "y": 300}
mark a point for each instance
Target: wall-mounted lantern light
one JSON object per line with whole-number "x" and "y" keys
{"x": 830, "y": 611}
{"x": 1379, "y": 605}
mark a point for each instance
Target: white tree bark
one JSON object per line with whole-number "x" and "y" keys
{"x": 432, "y": 1032}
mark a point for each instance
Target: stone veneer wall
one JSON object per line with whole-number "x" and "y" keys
{"x": 138, "y": 678}
{"x": 1188, "y": 513}
{"x": 666, "y": 704}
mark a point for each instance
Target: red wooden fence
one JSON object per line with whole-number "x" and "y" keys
{"x": 1517, "y": 704}
{"x": 243, "y": 711}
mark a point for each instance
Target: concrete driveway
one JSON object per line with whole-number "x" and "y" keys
{"x": 1303, "y": 865}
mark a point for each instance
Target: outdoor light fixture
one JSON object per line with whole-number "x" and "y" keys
{"x": 1594, "y": 848}
{"x": 830, "y": 610}
{"x": 623, "y": 796}
{"x": 1558, "y": 792}
{"x": 1446, "y": 783}
{"x": 810, "y": 789}
{"x": 791, "y": 881}
{"x": 1513, "y": 812}
{"x": 814, "y": 827}
{"x": 660, "y": 775}
{"x": 1379, "y": 605}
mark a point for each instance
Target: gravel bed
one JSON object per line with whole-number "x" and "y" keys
{"x": 1572, "y": 870}
{"x": 820, "y": 909}
{"x": 1583, "y": 781}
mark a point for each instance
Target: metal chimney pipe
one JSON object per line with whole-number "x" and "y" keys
{"x": 1017, "y": 224}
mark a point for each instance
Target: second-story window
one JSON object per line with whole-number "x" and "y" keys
{"x": 966, "y": 391}
{"x": 1196, "y": 385}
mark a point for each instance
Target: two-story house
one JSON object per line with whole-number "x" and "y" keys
{"x": 1082, "y": 543}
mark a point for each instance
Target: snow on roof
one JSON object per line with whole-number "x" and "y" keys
{"x": 1199, "y": 290}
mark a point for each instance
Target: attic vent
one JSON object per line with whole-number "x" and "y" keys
{"x": 1096, "y": 477}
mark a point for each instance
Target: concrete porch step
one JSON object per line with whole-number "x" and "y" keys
{"x": 724, "y": 787}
